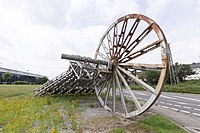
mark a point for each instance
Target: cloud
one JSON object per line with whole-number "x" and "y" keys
{"x": 48, "y": 12}
{"x": 34, "y": 33}
{"x": 85, "y": 13}
{"x": 180, "y": 23}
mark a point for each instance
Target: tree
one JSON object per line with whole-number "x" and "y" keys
{"x": 151, "y": 77}
{"x": 41, "y": 80}
{"x": 6, "y": 76}
{"x": 182, "y": 71}
{"x": 1, "y": 78}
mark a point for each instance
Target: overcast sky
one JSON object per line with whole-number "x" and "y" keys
{"x": 34, "y": 33}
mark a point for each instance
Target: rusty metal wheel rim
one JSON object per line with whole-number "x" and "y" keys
{"x": 119, "y": 46}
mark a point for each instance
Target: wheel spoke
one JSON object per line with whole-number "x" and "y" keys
{"x": 129, "y": 89}
{"x": 113, "y": 92}
{"x": 132, "y": 45}
{"x": 107, "y": 92}
{"x": 115, "y": 39}
{"x": 140, "y": 66}
{"x": 138, "y": 81}
{"x": 129, "y": 35}
{"x": 142, "y": 51}
{"x": 110, "y": 44}
{"x": 121, "y": 94}
{"x": 102, "y": 86}
{"x": 121, "y": 36}
{"x": 105, "y": 57}
{"x": 105, "y": 49}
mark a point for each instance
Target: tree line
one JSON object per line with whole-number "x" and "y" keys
{"x": 181, "y": 72}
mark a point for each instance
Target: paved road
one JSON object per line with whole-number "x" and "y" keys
{"x": 183, "y": 109}
{"x": 185, "y": 103}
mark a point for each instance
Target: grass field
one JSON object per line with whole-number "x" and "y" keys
{"x": 21, "y": 112}
{"x": 192, "y": 86}
{"x": 151, "y": 124}
{"x": 16, "y": 90}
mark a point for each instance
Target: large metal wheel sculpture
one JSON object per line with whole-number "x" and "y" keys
{"x": 131, "y": 48}
{"x": 135, "y": 45}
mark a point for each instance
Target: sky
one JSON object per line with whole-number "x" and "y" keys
{"x": 34, "y": 33}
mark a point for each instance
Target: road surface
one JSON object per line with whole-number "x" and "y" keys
{"x": 180, "y": 102}
{"x": 183, "y": 109}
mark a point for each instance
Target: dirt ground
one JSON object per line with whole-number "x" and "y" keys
{"x": 99, "y": 120}
{"x": 95, "y": 119}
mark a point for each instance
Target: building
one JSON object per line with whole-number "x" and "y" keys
{"x": 19, "y": 76}
{"x": 196, "y": 68}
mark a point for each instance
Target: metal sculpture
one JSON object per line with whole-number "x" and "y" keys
{"x": 131, "y": 46}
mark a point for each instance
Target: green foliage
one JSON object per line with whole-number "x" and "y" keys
{"x": 41, "y": 80}
{"x": 136, "y": 87}
{"x": 192, "y": 86}
{"x": 159, "y": 124}
{"x": 24, "y": 113}
{"x": 20, "y": 112}
{"x": 28, "y": 114}
{"x": 151, "y": 77}
{"x": 6, "y": 76}
{"x": 118, "y": 130}
{"x": 182, "y": 71}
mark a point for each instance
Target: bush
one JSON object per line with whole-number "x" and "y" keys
{"x": 21, "y": 82}
{"x": 41, "y": 80}
{"x": 192, "y": 86}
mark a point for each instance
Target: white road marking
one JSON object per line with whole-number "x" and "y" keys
{"x": 176, "y": 102}
{"x": 141, "y": 93}
{"x": 184, "y": 111}
{"x": 192, "y": 99}
{"x": 165, "y": 107}
{"x": 162, "y": 102}
{"x": 177, "y": 105}
{"x": 196, "y": 114}
{"x": 167, "y": 97}
{"x": 198, "y": 105}
{"x": 186, "y": 107}
{"x": 196, "y": 109}
{"x": 139, "y": 98}
{"x": 169, "y": 104}
{"x": 174, "y": 109}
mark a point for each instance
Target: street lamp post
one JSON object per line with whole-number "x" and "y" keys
{"x": 27, "y": 76}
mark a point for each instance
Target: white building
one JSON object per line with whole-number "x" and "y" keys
{"x": 196, "y": 68}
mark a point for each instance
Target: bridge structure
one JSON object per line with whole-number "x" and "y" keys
{"x": 133, "y": 46}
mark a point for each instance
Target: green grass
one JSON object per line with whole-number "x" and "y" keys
{"x": 118, "y": 130}
{"x": 150, "y": 124}
{"x": 192, "y": 87}
{"x": 16, "y": 90}
{"x": 158, "y": 124}
{"x": 21, "y": 112}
